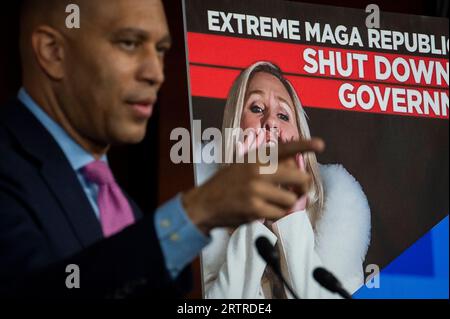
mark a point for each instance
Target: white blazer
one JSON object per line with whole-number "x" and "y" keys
{"x": 232, "y": 268}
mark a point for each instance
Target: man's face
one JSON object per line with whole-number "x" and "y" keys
{"x": 114, "y": 69}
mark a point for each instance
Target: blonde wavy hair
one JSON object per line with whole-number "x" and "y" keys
{"x": 232, "y": 119}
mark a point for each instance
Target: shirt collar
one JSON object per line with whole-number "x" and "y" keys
{"x": 77, "y": 156}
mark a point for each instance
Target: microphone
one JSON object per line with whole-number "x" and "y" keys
{"x": 327, "y": 280}
{"x": 272, "y": 258}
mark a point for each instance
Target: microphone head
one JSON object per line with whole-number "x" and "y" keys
{"x": 326, "y": 279}
{"x": 271, "y": 256}
{"x": 266, "y": 250}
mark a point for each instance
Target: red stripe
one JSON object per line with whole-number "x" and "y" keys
{"x": 240, "y": 53}
{"x": 211, "y": 82}
{"x": 216, "y": 82}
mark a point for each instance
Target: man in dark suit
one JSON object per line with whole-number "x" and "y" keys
{"x": 84, "y": 90}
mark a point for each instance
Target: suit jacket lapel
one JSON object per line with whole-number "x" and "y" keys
{"x": 136, "y": 210}
{"x": 55, "y": 169}
{"x": 73, "y": 201}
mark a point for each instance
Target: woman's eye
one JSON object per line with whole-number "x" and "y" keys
{"x": 283, "y": 117}
{"x": 256, "y": 109}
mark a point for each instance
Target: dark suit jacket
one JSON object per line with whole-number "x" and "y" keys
{"x": 46, "y": 223}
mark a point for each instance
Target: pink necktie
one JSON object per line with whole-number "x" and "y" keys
{"x": 115, "y": 211}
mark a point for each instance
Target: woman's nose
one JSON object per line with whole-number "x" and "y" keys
{"x": 270, "y": 122}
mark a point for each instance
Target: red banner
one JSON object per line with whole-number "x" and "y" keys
{"x": 342, "y": 64}
{"x": 354, "y": 80}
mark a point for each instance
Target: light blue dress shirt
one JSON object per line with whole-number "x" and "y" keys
{"x": 180, "y": 240}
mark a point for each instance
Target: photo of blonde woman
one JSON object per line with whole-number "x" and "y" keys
{"x": 329, "y": 226}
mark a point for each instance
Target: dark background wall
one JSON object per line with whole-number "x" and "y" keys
{"x": 145, "y": 170}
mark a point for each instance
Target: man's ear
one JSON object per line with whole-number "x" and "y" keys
{"x": 49, "y": 51}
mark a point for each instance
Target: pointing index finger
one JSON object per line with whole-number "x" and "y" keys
{"x": 290, "y": 149}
